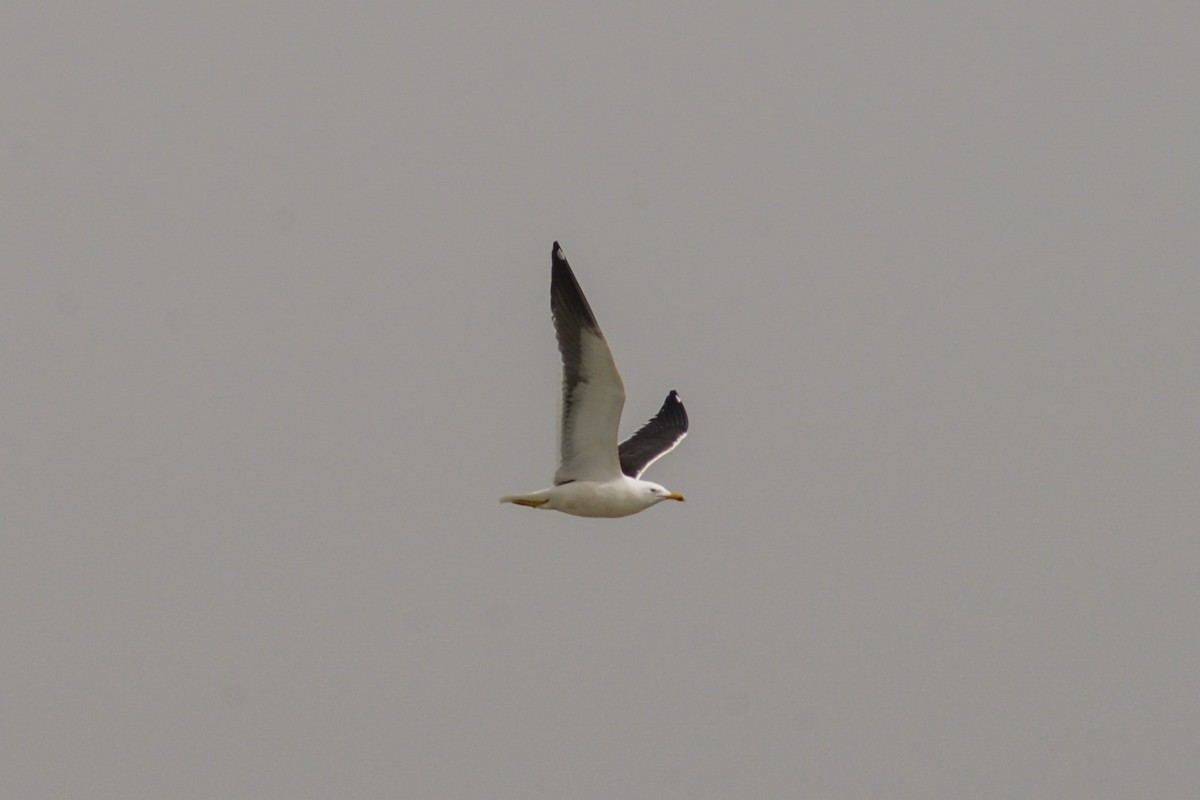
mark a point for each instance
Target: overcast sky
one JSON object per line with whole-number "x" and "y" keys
{"x": 275, "y": 335}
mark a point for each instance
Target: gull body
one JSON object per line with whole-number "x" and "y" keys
{"x": 596, "y": 477}
{"x": 616, "y": 498}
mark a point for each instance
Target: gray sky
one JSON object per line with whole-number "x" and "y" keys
{"x": 276, "y": 335}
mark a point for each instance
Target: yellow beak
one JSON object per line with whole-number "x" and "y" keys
{"x": 675, "y": 496}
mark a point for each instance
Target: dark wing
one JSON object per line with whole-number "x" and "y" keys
{"x": 593, "y": 395}
{"x": 656, "y": 438}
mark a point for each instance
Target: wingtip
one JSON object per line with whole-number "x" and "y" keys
{"x": 556, "y": 252}
{"x": 673, "y": 406}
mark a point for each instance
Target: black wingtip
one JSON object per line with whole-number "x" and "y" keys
{"x": 672, "y": 408}
{"x": 556, "y": 253}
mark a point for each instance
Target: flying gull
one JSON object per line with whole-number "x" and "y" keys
{"x": 595, "y": 476}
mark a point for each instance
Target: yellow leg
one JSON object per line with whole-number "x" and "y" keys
{"x": 521, "y": 501}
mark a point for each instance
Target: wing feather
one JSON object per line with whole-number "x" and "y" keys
{"x": 656, "y": 438}
{"x": 593, "y": 394}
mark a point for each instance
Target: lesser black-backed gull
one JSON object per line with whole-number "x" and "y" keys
{"x": 596, "y": 477}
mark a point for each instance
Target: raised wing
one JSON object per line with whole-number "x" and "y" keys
{"x": 656, "y": 438}
{"x": 593, "y": 395}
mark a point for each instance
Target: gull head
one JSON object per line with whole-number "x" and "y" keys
{"x": 660, "y": 493}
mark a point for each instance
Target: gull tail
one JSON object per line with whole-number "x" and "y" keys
{"x": 535, "y": 500}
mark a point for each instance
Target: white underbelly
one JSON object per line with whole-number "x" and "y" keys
{"x": 592, "y": 499}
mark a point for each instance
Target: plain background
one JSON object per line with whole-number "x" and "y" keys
{"x": 275, "y": 337}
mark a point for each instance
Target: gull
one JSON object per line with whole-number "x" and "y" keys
{"x": 596, "y": 477}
